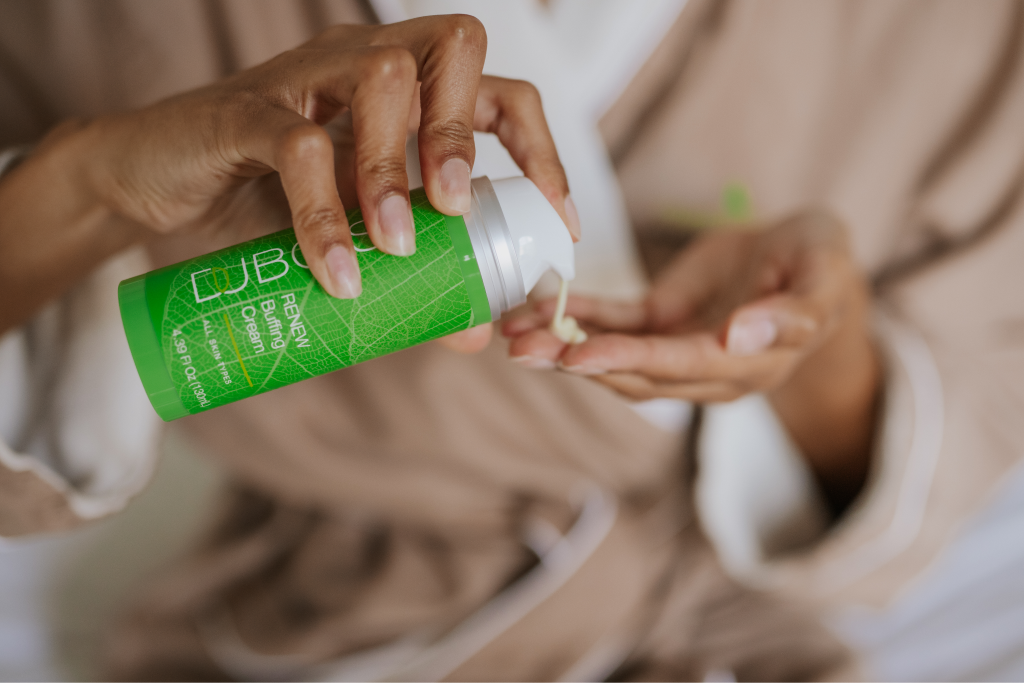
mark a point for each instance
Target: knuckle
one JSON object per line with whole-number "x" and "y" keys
{"x": 390, "y": 64}
{"x": 465, "y": 30}
{"x": 305, "y": 141}
{"x": 321, "y": 224}
{"x": 454, "y": 133}
{"x": 245, "y": 101}
{"x": 524, "y": 91}
{"x": 387, "y": 173}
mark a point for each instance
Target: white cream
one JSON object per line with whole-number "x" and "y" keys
{"x": 566, "y": 328}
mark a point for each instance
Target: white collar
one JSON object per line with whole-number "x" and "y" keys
{"x": 601, "y": 43}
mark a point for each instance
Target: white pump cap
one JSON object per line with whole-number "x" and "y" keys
{"x": 541, "y": 240}
{"x": 516, "y": 237}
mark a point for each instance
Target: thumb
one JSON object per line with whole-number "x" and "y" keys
{"x": 780, "y": 322}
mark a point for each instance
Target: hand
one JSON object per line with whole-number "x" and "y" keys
{"x": 781, "y": 311}
{"x": 190, "y": 160}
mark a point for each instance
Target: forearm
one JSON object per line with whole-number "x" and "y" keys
{"x": 54, "y": 228}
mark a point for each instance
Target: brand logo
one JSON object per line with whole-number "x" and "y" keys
{"x": 268, "y": 265}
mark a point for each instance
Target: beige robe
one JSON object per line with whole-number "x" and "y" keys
{"x": 400, "y": 496}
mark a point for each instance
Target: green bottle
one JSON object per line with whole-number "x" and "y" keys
{"x": 250, "y": 318}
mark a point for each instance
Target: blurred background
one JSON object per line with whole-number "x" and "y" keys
{"x": 962, "y": 621}
{"x": 59, "y": 592}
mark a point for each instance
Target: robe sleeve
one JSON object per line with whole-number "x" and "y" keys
{"x": 78, "y": 437}
{"x": 764, "y": 513}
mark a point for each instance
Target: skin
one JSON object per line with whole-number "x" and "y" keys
{"x": 781, "y": 310}
{"x": 326, "y": 120}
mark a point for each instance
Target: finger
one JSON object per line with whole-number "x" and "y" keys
{"x": 537, "y": 350}
{"x": 680, "y": 358}
{"x": 811, "y": 249}
{"x": 285, "y": 136}
{"x": 303, "y": 155}
{"x": 690, "y": 358}
{"x": 473, "y": 340}
{"x": 512, "y": 110}
{"x": 525, "y": 322}
{"x": 340, "y": 130}
{"x": 452, "y": 59}
{"x": 623, "y": 316}
{"x": 449, "y": 52}
{"x": 380, "y": 114}
{"x": 374, "y": 70}
{"x": 607, "y": 315}
{"x": 699, "y": 273}
{"x": 781, "y": 322}
{"x": 799, "y": 319}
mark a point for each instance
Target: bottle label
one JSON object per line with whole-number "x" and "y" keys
{"x": 251, "y": 318}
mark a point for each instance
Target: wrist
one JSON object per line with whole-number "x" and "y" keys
{"x": 80, "y": 156}
{"x": 54, "y": 226}
{"x": 88, "y": 153}
{"x": 829, "y": 408}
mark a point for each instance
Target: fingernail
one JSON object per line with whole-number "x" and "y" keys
{"x": 344, "y": 270}
{"x": 582, "y": 369}
{"x": 534, "y": 363}
{"x": 573, "y": 218}
{"x": 397, "y": 234}
{"x": 747, "y": 337}
{"x": 455, "y": 185}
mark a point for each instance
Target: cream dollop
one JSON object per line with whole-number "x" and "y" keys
{"x": 565, "y": 327}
